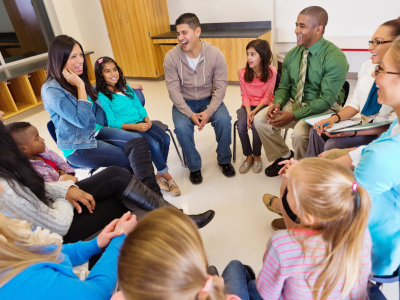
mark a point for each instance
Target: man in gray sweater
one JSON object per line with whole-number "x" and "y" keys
{"x": 196, "y": 77}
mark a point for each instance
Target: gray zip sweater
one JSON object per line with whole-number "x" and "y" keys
{"x": 209, "y": 79}
{"x": 57, "y": 218}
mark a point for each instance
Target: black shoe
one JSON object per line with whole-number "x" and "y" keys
{"x": 251, "y": 272}
{"x": 227, "y": 169}
{"x": 273, "y": 169}
{"x": 203, "y": 219}
{"x": 212, "y": 270}
{"x": 196, "y": 177}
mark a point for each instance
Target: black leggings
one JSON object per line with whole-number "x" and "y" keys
{"x": 286, "y": 207}
{"x": 106, "y": 187}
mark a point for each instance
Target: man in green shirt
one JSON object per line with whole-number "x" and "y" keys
{"x": 312, "y": 83}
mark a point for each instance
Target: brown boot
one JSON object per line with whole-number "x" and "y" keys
{"x": 278, "y": 224}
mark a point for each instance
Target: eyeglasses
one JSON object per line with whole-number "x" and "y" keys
{"x": 376, "y": 43}
{"x": 378, "y": 69}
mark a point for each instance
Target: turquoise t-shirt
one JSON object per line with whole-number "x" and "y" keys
{"x": 67, "y": 153}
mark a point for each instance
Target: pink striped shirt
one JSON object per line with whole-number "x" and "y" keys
{"x": 257, "y": 91}
{"x": 285, "y": 270}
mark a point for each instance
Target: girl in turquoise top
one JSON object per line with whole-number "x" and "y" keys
{"x": 125, "y": 111}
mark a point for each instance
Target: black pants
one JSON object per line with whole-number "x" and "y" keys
{"x": 106, "y": 187}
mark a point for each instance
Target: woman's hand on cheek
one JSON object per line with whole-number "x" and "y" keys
{"x": 72, "y": 78}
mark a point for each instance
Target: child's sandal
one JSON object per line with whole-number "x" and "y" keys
{"x": 267, "y": 199}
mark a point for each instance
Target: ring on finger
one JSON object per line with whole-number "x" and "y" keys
{"x": 68, "y": 74}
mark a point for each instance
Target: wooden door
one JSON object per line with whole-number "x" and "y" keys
{"x": 158, "y": 22}
{"x": 117, "y": 31}
{"x": 139, "y": 37}
{"x": 236, "y": 53}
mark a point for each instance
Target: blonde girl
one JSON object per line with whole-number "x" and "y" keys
{"x": 328, "y": 254}
{"x": 164, "y": 259}
{"x": 37, "y": 262}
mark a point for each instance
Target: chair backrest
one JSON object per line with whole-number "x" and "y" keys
{"x": 346, "y": 87}
{"x": 277, "y": 82}
{"x": 140, "y": 95}
{"x": 52, "y": 130}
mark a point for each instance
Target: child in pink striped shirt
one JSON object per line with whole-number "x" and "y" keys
{"x": 257, "y": 83}
{"x": 328, "y": 255}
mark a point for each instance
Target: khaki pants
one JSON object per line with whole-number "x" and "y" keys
{"x": 272, "y": 140}
{"x": 336, "y": 153}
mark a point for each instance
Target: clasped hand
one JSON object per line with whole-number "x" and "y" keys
{"x": 285, "y": 117}
{"x": 125, "y": 224}
{"x": 287, "y": 166}
{"x": 200, "y": 119}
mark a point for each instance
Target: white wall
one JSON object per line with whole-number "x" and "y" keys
{"x": 5, "y": 23}
{"x": 93, "y": 28}
{"x": 82, "y": 20}
{"x": 220, "y": 11}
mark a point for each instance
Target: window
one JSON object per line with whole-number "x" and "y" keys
{"x": 25, "y": 30}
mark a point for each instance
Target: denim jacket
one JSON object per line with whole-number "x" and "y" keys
{"x": 73, "y": 119}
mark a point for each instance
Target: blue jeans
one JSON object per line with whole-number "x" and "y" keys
{"x": 238, "y": 281}
{"x": 184, "y": 130}
{"x": 109, "y": 151}
{"x": 158, "y": 141}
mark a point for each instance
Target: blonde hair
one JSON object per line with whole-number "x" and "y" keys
{"x": 323, "y": 190}
{"x": 395, "y": 50}
{"x": 20, "y": 247}
{"x": 164, "y": 258}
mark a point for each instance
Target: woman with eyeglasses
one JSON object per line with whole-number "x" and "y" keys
{"x": 363, "y": 101}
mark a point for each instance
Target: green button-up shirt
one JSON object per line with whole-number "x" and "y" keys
{"x": 327, "y": 68}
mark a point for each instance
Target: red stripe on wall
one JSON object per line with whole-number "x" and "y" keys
{"x": 354, "y": 49}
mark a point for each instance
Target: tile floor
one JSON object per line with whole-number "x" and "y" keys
{"x": 241, "y": 227}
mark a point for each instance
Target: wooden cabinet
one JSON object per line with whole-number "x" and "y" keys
{"x": 24, "y": 92}
{"x": 130, "y": 24}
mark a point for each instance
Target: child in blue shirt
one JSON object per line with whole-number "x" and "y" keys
{"x": 125, "y": 111}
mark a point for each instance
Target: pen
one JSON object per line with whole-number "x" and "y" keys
{"x": 324, "y": 124}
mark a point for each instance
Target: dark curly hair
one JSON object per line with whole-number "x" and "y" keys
{"x": 101, "y": 84}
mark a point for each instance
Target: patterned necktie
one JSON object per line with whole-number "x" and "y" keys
{"x": 302, "y": 79}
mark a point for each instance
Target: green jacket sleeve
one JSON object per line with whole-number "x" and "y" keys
{"x": 331, "y": 85}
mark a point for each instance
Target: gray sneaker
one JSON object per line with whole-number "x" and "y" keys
{"x": 257, "y": 166}
{"x": 245, "y": 167}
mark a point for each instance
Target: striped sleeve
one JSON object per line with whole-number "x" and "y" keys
{"x": 270, "y": 280}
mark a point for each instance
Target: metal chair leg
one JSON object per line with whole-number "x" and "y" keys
{"x": 234, "y": 140}
{"x": 183, "y": 162}
{"x": 285, "y": 134}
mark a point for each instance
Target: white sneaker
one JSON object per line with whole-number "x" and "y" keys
{"x": 173, "y": 188}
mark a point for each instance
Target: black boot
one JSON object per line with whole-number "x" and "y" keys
{"x": 139, "y": 157}
{"x": 203, "y": 219}
{"x": 138, "y": 194}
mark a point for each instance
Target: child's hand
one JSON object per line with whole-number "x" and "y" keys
{"x": 148, "y": 121}
{"x": 143, "y": 127}
{"x": 137, "y": 87}
{"x": 61, "y": 172}
{"x": 66, "y": 177}
{"x": 288, "y": 165}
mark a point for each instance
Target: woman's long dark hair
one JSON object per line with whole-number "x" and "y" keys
{"x": 101, "y": 84}
{"x": 15, "y": 168}
{"x": 263, "y": 49}
{"x": 60, "y": 49}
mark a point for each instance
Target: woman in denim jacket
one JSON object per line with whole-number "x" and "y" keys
{"x": 81, "y": 125}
